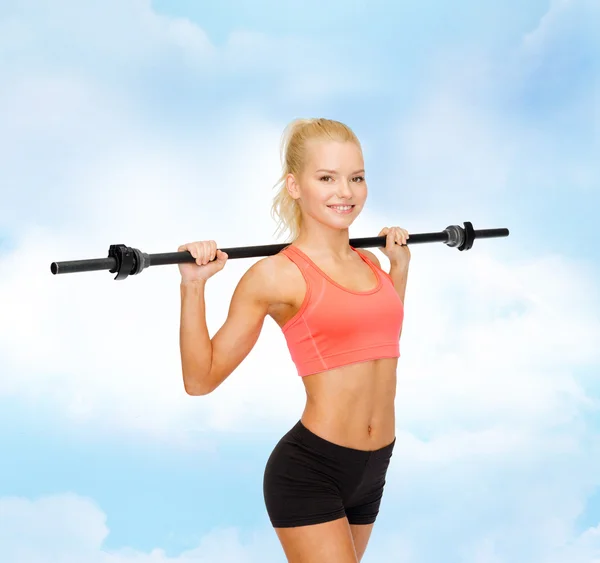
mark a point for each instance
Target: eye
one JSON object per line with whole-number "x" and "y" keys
{"x": 358, "y": 178}
{"x": 325, "y": 178}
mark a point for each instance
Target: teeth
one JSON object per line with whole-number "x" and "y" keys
{"x": 341, "y": 207}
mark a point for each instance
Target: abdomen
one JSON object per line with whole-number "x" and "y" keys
{"x": 353, "y": 405}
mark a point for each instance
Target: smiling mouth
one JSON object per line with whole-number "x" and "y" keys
{"x": 341, "y": 209}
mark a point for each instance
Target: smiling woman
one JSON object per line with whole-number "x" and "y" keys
{"x": 342, "y": 316}
{"x": 297, "y": 158}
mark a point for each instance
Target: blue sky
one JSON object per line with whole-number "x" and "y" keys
{"x": 157, "y": 123}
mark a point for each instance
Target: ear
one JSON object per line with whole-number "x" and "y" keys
{"x": 292, "y": 186}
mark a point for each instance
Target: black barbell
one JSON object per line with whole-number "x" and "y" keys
{"x": 125, "y": 261}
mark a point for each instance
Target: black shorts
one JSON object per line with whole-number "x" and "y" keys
{"x": 309, "y": 480}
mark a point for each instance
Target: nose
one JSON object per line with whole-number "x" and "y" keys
{"x": 344, "y": 190}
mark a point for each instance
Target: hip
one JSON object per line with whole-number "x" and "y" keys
{"x": 301, "y": 451}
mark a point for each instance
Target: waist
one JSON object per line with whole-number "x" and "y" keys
{"x": 317, "y": 441}
{"x": 364, "y": 435}
{"x": 354, "y": 405}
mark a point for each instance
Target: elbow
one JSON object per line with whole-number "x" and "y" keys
{"x": 195, "y": 386}
{"x": 194, "y": 390}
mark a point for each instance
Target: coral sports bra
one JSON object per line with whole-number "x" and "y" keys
{"x": 336, "y": 326}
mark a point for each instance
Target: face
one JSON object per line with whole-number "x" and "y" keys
{"x": 332, "y": 188}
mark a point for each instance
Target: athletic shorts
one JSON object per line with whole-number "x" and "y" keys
{"x": 309, "y": 480}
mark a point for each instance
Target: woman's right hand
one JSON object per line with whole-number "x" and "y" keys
{"x": 205, "y": 266}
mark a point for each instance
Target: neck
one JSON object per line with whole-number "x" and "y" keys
{"x": 324, "y": 241}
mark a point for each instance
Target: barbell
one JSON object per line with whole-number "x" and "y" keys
{"x": 126, "y": 261}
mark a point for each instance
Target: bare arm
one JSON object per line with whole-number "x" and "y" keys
{"x": 399, "y": 275}
{"x": 207, "y": 362}
{"x": 194, "y": 340}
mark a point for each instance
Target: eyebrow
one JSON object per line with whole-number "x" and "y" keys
{"x": 361, "y": 171}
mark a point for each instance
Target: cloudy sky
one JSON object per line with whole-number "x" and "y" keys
{"x": 156, "y": 123}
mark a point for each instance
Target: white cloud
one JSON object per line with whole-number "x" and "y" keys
{"x": 67, "y": 528}
{"x": 135, "y": 30}
{"x": 70, "y": 529}
{"x": 127, "y": 43}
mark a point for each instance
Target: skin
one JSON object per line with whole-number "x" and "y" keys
{"x": 352, "y": 406}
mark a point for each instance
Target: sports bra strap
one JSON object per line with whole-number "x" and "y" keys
{"x": 305, "y": 265}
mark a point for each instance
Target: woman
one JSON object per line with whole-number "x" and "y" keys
{"x": 341, "y": 315}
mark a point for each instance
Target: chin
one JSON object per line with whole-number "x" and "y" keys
{"x": 340, "y": 221}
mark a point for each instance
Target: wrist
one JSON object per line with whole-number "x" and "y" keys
{"x": 399, "y": 264}
{"x": 195, "y": 284}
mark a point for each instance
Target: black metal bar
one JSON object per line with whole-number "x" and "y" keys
{"x": 76, "y": 266}
{"x": 126, "y": 261}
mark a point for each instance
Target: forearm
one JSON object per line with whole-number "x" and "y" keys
{"x": 399, "y": 275}
{"x": 194, "y": 340}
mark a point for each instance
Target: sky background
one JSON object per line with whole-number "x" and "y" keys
{"x": 155, "y": 123}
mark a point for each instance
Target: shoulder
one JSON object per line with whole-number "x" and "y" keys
{"x": 370, "y": 256}
{"x": 268, "y": 278}
{"x": 271, "y": 268}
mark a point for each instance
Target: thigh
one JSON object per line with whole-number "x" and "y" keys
{"x": 361, "y": 534}
{"x": 330, "y": 542}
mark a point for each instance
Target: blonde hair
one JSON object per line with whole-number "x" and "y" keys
{"x": 286, "y": 210}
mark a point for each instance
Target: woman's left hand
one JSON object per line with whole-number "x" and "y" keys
{"x": 395, "y": 245}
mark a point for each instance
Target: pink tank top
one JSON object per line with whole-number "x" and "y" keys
{"x": 335, "y": 326}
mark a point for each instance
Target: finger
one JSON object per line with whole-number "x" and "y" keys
{"x": 401, "y": 235}
{"x": 205, "y": 252}
{"x": 391, "y": 239}
{"x": 198, "y": 253}
{"x": 194, "y": 251}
